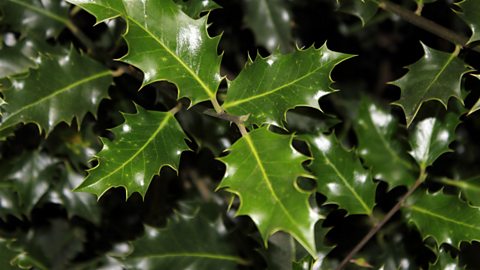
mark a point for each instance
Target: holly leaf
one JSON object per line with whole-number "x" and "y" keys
{"x": 262, "y": 168}
{"x": 437, "y": 76}
{"x": 443, "y": 217}
{"x": 77, "y": 88}
{"x": 470, "y": 188}
{"x": 341, "y": 177}
{"x": 166, "y": 44}
{"x": 363, "y": 9}
{"x": 271, "y": 23}
{"x": 445, "y": 261}
{"x": 145, "y": 142}
{"x": 378, "y": 140}
{"x": 475, "y": 106}
{"x": 431, "y": 136}
{"x": 195, "y": 8}
{"x": 188, "y": 242}
{"x": 471, "y": 15}
{"x": 6, "y": 255}
{"x": 17, "y": 59}
{"x": 44, "y": 19}
{"x": 267, "y": 87}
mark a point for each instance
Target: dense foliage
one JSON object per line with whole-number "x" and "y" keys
{"x": 249, "y": 134}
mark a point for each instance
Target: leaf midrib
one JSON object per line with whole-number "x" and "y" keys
{"x": 429, "y": 213}
{"x": 46, "y": 13}
{"x": 212, "y": 256}
{"x": 52, "y": 95}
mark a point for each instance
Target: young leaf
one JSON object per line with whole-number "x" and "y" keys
{"x": 378, "y": 140}
{"x": 340, "y": 175}
{"x": 63, "y": 87}
{"x": 144, "y": 143}
{"x": 363, "y": 9}
{"x": 166, "y": 44}
{"x": 430, "y": 138}
{"x": 444, "y": 217}
{"x": 268, "y": 87}
{"x": 271, "y": 22}
{"x": 471, "y": 15}
{"x": 35, "y": 17}
{"x": 262, "y": 169}
{"x": 437, "y": 76}
{"x": 187, "y": 242}
{"x": 194, "y": 8}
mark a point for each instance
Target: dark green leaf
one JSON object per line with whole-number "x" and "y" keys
{"x": 469, "y": 187}
{"x": 6, "y": 255}
{"x": 268, "y": 87}
{"x": 262, "y": 169}
{"x": 195, "y": 8}
{"x": 17, "y": 58}
{"x": 188, "y": 242}
{"x": 340, "y": 175}
{"x": 431, "y": 137}
{"x": 271, "y": 22}
{"x": 146, "y": 142}
{"x": 475, "y": 106}
{"x": 471, "y": 15}
{"x": 363, "y": 9}
{"x": 63, "y": 87}
{"x": 445, "y": 262}
{"x": 444, "y": 217}
{"x": 166, "y": 44}
{"x": 378, "y": 139}
{"x": 437, "y": 76}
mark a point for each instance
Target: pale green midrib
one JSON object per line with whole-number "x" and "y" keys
{"x": 52, "y": 95}
{"x": 269, "y": 185}
{"x": 140, "y": 150}
{"x": 41, "y": 11}
{"x": 426, "y": 212}
{"x": 340, "y": 175}
{"x": 269, "y": 92}
{"x": 209, "y": 92}
{"x": 460, "y": 184}
{"x": 197, "y": 255}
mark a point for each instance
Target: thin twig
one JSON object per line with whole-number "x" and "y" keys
{"x": 380, "y": 224}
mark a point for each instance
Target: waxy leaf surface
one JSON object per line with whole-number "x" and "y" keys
{"x": 430, "y": 138}
{"x": 144, "y": 143}
{"x": 271, "y": 22}
{"x": 363, "y": 9}
{"x": 262, "y": 168}
{"x": 475, "y": 106}
{"x": 61, "y": 88}
{"x": 197, "y": 242}
{"x": 469, "y": 187}
{"x": 17, "y": 58}
{"x": 471, "y": 15}
{"x": 40, "y": 18}
{"x": 444, "y": 217}
{"x": 378, "y": 140}
{"x": 340, "y": 175}
{"x": 195, "y": 8}
{"x": 445, "y": 262}
{"x": 436, "y": 76}
{"x": 267, "y": 87}
{"x": 166, "y": 44}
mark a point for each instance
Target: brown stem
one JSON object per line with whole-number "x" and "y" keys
{"x": 380, "y": 224}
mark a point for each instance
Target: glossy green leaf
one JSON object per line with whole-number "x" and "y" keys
{"x": 195, "y": 8}
{"x": 378, "y": 140}
{"x": 267, "y": 87}
{"x": 471, "y": 15}
{"x": 271, "y": 22}
{"x": 166, "y": 44}
{"x": 443, "y": 217}
{"x": 437, "y": 76}
{"x": 41, "y": 18}
{"x": 475, "y": 106}
{"x": 144, "y": 143}
{"x": 363, "y": 9}
{"x": 188, "y": 242}
{"x": 469, "y": 187}
{"x": 77, "y": 88}
{"x": 341, "y": 176}
{"x": 17, "y": 58}
{"x": 6, "y": 255}
{"x": 430, "y": 138}
{"x": 445, "y": 262}
{"x": 262, "y": 168}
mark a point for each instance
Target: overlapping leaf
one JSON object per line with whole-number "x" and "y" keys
{"x": 17, "y": 59}
{"x": 431, "y": 136}
{"x": 195, "y": 8}
{"x": 187, "y": 242}
{"x": 469, "y": 187}
{"x": 475, "y": 106}
{"x": 437, "y": 76}
{"x": 166, "y": 44}
{"x": 268, "y": 87}
{"x": 471, "y": 15}
{"x": 63, "y": 87}
{"x": 340, "y": 175}
{"x": 445, "y": 262}
{"x": 271, "y": 22}
{"x": 444, "y": 217}
{"x": 145, "y": 142}
{"x": 262, "y": 169}
{"x": 378, "y": 140}
{"x": 363, "y": 9}
{"x": 41, "y": 18}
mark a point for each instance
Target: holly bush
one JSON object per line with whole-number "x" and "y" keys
{"x": 249, "y": 134}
